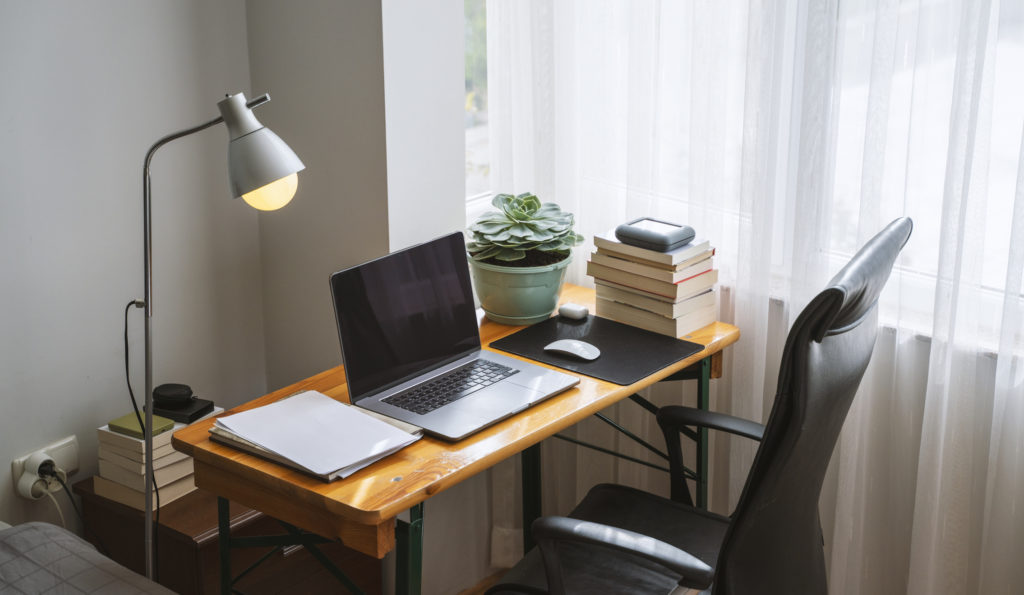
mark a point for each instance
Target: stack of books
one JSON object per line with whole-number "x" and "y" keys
{"x": 671, "y": 293}
{"x": 122, "y": 467}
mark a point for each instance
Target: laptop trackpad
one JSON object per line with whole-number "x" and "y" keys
{"x": 541, "y": 382}
{"x": 498, "y": 399}
{"x": 479, "y": 410}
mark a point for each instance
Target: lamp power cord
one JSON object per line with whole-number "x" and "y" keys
{"x": 48, "y": 473}
{"x": 142, "y": 426}
{"x": 60, "y": 512}
{"x": 52, "y": 475}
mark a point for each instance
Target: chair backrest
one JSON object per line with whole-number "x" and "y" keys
{"x": 773, "y": 544}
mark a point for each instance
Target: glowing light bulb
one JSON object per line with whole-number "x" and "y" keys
{"x": 274, "y": 195}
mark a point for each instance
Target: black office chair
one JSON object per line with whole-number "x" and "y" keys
{"x": 624, "y": 540}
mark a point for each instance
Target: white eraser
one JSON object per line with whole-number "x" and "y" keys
{"x": 573, "y": 311}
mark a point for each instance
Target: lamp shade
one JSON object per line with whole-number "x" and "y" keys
{"x": 261, "y": 167}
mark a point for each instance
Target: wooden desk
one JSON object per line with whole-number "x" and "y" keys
{"x": 361, "y": 509}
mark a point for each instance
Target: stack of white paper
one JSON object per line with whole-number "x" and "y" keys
{"x": 314, "y": 433}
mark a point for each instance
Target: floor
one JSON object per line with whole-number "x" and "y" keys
{"x": 487, "y": 583}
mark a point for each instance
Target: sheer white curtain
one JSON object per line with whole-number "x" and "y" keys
{"x": 788, "y": 133}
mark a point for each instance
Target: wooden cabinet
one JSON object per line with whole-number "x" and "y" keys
{"x": 186, "y": 547}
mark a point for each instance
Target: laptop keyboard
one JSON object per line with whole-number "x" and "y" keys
{"x": 454, "y": 385}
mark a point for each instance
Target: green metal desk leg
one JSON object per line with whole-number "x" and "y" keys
{"x": 224, "y": 545}
{"x": 531, "y": 493}
{"x": 703, "y": 398}
{"x": 409, "y": 565}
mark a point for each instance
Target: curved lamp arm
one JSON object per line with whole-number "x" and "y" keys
{"x": 146, "y": 192}
{"x": 147, "y": 303}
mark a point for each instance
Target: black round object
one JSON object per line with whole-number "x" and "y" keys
{"x": 172, "y": 396}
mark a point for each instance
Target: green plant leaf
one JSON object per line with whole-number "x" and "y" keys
{"x": 485, "y": 253}
{"x": 489, "y": 226}
{"x": 520, "y": 230}
{"x": 522, "y": 223}
{"x": 499, "y": 201}
{"x": 509, "y": 255}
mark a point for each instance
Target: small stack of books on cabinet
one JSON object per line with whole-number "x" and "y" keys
{"x": 122, "y": 467}
{"x": 671, "y": 293}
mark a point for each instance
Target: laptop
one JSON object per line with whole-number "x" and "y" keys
{"x": 411, "y": 345}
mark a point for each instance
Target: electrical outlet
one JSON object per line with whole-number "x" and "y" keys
{"x": 64, "y": 453}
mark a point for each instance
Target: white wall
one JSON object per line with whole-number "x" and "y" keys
{"x": 88, "y": 87}
{"x": 332, "y": 67}
{"x": 321, "y": 63}
{"x": 424, "y": 85}
{"x": 241, "y": 300}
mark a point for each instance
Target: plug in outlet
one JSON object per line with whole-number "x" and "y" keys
{"x": 63, "y": 453}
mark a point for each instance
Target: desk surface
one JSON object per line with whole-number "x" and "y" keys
{"x": 360, "y": 509}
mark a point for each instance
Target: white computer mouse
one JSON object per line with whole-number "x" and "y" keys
{"x": 575, "y": 348}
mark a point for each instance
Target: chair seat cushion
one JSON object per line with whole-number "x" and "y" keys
{"x": 592, "y": 569}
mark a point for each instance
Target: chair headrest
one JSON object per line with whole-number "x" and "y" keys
{"x": 854, "y": 290}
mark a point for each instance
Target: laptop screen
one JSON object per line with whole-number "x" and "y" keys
{"x": 404, "y": 314}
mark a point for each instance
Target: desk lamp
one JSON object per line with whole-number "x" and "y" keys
{"x": 262, "y": 170}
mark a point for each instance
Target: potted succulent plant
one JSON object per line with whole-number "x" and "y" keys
{"x": 518, "y": 255}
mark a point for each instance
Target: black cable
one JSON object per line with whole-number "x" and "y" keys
{"x": 48, "y": 470}
{"x": 142, "y": 426}
{"x": 127, "y": 375}
{"x": 156, "y": 533}
{"x": 102, "y": 547}
{"x": 68, "y": 492}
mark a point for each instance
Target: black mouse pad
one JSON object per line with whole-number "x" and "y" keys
{"x": 628, "y": 353}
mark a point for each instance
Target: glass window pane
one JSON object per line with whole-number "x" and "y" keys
{"x": 477, "y": 147}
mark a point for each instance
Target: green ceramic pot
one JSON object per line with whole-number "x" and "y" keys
{"x": 518, "y": 295}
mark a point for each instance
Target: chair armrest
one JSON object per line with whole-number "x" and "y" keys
{"x": 675, "y": 417}
{"x": 549, "y": 530}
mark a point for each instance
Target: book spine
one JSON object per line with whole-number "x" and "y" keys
{"x": 137, "y": 466}
{"x": 672, "y": 327}
{"x": 695, "y": 321}
{"x": 685, "y": 289}
{"x": 104, "y": 434}
{"x": 137, "y": 481}
{"x": 119, "y": 493}
{"x": 646, "y": 325}
{"x": 638, "y": 301}
{"x": 661, "y": 308}
{"x": 710, "y": 252}
{"x": 672, "y": 258}
{"x": 640, "y": 282}
{"x": 675, "y": 291}
{"x": 658, "y": 274}
{"x": 662, "y": 258}
{"x": 623, "y": 293}
{"x": 138, "y": 457}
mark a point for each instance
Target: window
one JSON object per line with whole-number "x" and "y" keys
{"x": 478, "y": 188}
